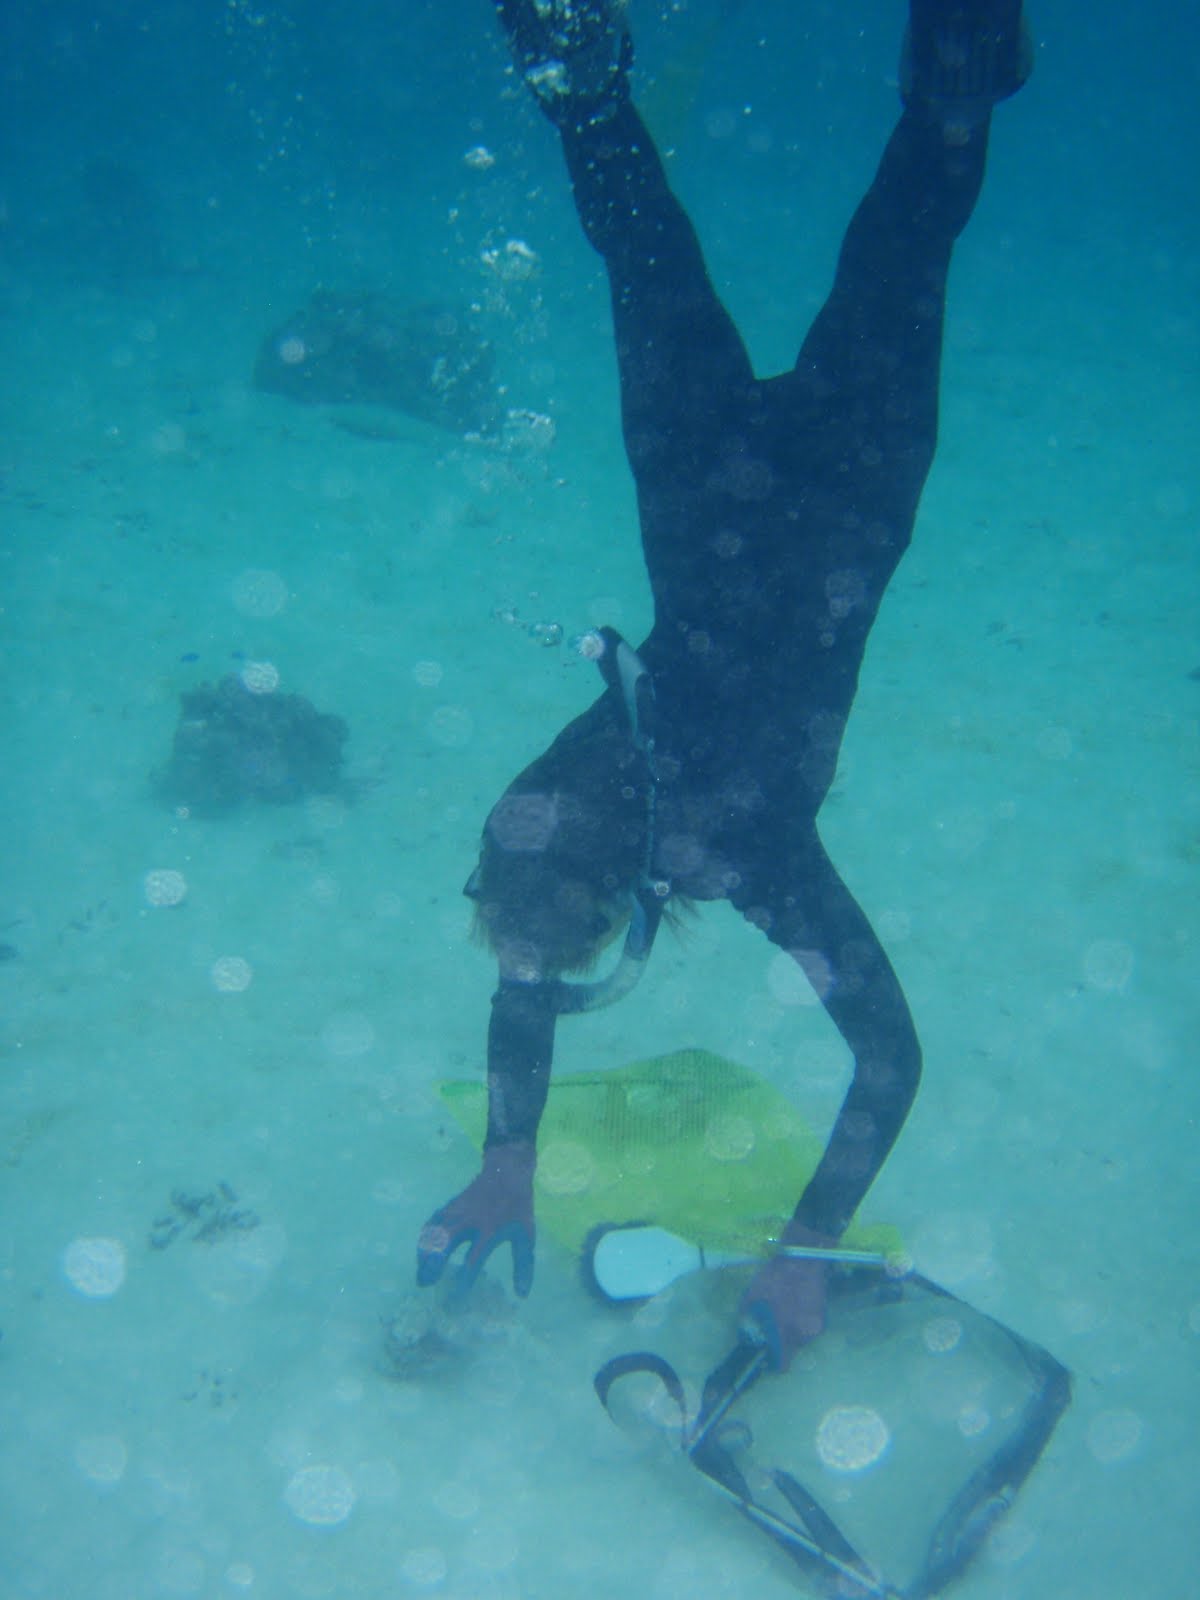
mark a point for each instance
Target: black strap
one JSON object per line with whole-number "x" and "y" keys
{"x": 642, "y": 1361}
{"x": 816, "y": 1542}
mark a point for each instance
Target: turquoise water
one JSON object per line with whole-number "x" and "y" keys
{"x": 1016, "y": 806}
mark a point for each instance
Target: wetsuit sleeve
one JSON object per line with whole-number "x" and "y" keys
{"x": 806, "y": 909}
{"x": 520, "y": 1052}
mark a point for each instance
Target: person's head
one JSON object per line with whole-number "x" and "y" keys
{"x": 561, "y": 854}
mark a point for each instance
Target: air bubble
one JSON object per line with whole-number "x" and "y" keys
{"x": 515, "y": 263}
{"x": 548, "y": 634}
{"x": 528, "y": 432}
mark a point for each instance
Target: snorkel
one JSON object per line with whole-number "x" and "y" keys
{"x": 623, "y": 671}
{"x": 525, "y": 1008}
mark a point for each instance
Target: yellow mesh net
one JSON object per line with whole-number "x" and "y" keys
{"x": 689, "y": 1141}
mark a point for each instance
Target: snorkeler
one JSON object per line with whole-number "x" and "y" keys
{"x": 773, "y": 514}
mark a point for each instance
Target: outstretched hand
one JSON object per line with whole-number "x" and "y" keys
{"x": 496, "y": 1208}
{"x": 784, "y": 1305}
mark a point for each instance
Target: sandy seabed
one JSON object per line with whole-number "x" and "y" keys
{"x": 219, "y": 1126}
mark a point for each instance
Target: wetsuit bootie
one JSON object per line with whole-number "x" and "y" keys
{"x": 960, "y": 57}
{"x": 575, "y": 55}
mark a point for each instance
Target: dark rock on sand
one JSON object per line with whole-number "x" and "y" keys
{"x": 367, "y": 349}
{"x": 232, "y": 745}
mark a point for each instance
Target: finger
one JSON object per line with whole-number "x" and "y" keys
{"x": 436, "y": 1245}
{"x": 514, "y": 1233}
{"x": 522, "y": 1249}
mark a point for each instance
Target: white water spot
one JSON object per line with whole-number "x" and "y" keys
{"x": 729, "y": 1137}
{"x": 378, "y": 1480}
{"x": 164, "y": 887}
{"x": 102, "y": 1457}
{"x": 787, "y": 981}
{"x": 428, "y": 674}
{"x": 954, "y": 1248}
{"x": 257, "y": 592}
{"x": 239, "y": 1575}
{"x": 389, "y": 1191}
{"x": 325, "y": 812}
{"x": 322, "y": 1496}
{"x": 180, "y": 1571}
{"x": 1108, "y": 964}
{"x": 231, "y": 974}
{"x": 565, "y": 1167}
{"x": 347, "y": 1035}
{"x": 895, "y": 927}
{"x": 457, "y": 1500}
{"x": 425, "y": 1567}
{"x": 1055, "y": 744}
{"x": 941, "y": 1335}
{"x": 1010, "y": 1542}
{"x": 851, "y": 1438}
{"x": 95, "y": 1267}
{"x": 1172, "y": 500}
{"x": 493, "y": 1546}
{"x": 235, "y": 1270}
{"x": 973, "y": 1420}
{"x": 325, "y": 890}
{"x": 1114, "y": 1435}
{"x": 260, "y": 677}
{"x": 168, "y": 439}
{"x": 452, "y": 726}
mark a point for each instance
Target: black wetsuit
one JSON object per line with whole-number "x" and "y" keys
{"x": 773, "y": 514}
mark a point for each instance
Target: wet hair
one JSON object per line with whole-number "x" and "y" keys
{"x": 562, "y": 851}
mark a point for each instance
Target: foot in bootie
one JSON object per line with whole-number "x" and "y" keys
{"x": 962, "y": 56}
{"x": 574, "y": 55}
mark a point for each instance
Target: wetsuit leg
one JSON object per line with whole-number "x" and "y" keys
{"x": 801, "y": 903}
{"x": 682, "y": 362}
{"x": 867, "y": 374}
